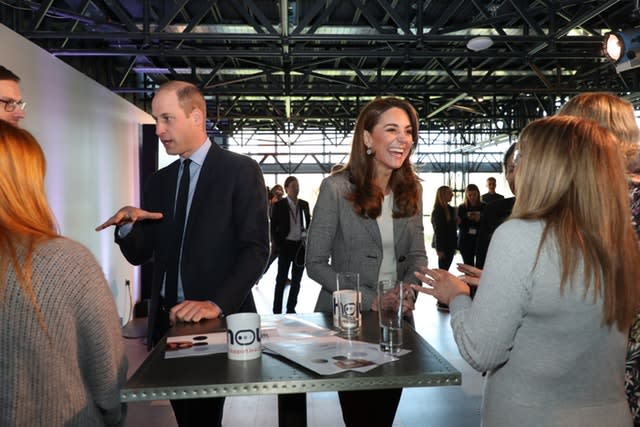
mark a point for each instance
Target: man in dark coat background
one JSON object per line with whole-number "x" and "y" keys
{"x": 289, "y": 223}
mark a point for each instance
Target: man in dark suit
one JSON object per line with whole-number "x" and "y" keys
{"x": 289, "y": 223}
{"x": 208, "y": 235}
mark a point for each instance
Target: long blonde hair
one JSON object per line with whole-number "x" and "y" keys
{"x": 613, "y": 113}
{"x": 25, "y": 216}
{"x": 441, "y": 203}
{"x": 472, "y": 188}
{"x": 572, "y": 176}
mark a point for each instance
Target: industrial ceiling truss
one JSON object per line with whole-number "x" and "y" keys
{"x": 297, "y": 66}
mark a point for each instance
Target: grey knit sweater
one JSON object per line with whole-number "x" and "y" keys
{"x": 73, "y": 378}
{"x": 550, "y": 358}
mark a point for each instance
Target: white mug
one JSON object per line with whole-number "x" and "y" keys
{"x": 243, "y": 336}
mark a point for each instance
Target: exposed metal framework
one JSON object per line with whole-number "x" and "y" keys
{"x": 281, "y": 69}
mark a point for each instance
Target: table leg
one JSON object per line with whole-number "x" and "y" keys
{"x": 292, "y": 410}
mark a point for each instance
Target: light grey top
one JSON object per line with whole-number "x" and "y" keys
{"x": 385, "y": 224}
{"x": 550, "y": 359}
{"x": 73, "y": 378}
{"x": 340, "y": 240}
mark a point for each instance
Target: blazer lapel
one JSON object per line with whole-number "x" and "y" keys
{"x": 399, "y": 230}
{"x": 173, "y": 187}
{"x": 207, "y": 170}
{"x": 371, "y": 225}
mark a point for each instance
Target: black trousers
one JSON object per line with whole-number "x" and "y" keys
{"x": 290, "y": 255}
{"x": 189, "y": 412}
{"x": 445, "y": 262}
{"x": 369, "y": 408}
{"x": 468, "y": 250}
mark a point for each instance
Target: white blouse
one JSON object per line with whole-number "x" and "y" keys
{"x": 388, "y": 270}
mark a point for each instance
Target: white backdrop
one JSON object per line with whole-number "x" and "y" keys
{"x": 90, "y": 137}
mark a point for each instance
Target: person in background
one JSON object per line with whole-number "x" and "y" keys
{"x": 491, "y": 195}
{"x": 445, "y": 237}
{"x": 62, "y": 359}
{"x": 368, "y": 220}
{"x": 469, "y": 216}
{"x": 496, "y": 212}
{"x": 289, "y": 223}
{"x": 12, "y": 105}
{"x": 618, "y": 115}
{"x": 205, "y": 225}
{"x": 275, "y": 195}
{"x": 555, "y": 354}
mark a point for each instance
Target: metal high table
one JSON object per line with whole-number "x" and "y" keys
{"x": 216, "y": 376}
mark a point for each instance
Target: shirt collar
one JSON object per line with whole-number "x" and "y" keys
{"x": 200, "y": 154}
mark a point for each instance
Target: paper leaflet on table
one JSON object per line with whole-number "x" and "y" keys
{"x": 301, "y": 341}
{"x": 277, "y": 328}
{"x": 331, "y": 354}
{"x": 290, "y": 327}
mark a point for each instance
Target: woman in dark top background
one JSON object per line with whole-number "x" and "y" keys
{"x": 445, "y": 239}
{"x": 469, "y": 215}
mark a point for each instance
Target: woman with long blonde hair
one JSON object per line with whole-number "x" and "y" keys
{"x": 558, "y": 274}
{"x": 443, "y": 220}
{"x": 618, "y": 115}
{"x": 611, "y": 112}
{"x": 445, "y": 236}
{"x": 62, "y": 358}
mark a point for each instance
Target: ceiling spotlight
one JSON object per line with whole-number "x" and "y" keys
{"x": 479, "y": 43}
{"x": 623, "y": 49}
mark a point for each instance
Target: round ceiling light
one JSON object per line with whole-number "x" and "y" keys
{"x": 479, "y": 43}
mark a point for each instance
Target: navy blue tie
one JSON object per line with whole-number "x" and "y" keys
{"x": 179, "y": 216}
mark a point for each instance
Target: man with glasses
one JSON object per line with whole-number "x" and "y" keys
{"x": 11, "y": 104}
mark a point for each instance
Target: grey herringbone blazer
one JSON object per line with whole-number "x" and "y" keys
{"x": 340, "y": 240}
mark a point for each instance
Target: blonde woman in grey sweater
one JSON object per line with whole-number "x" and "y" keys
{"x": 62, "y": 359}
{"x": 550, "y": 325}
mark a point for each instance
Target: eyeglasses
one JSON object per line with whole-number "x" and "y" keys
{"x": 10, "y": 104}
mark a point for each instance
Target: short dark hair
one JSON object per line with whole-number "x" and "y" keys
{"x": 508, "y": 154}
{"x": 491, "y": 179}
{"x": 289, "y": 180}
{"x": 7, "y": 74}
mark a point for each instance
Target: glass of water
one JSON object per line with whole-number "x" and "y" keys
{"x": 390, "y": 310}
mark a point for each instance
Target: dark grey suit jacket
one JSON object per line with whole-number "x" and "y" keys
{"x": 340, "y": 240}
{"x": 226, "y": 240}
